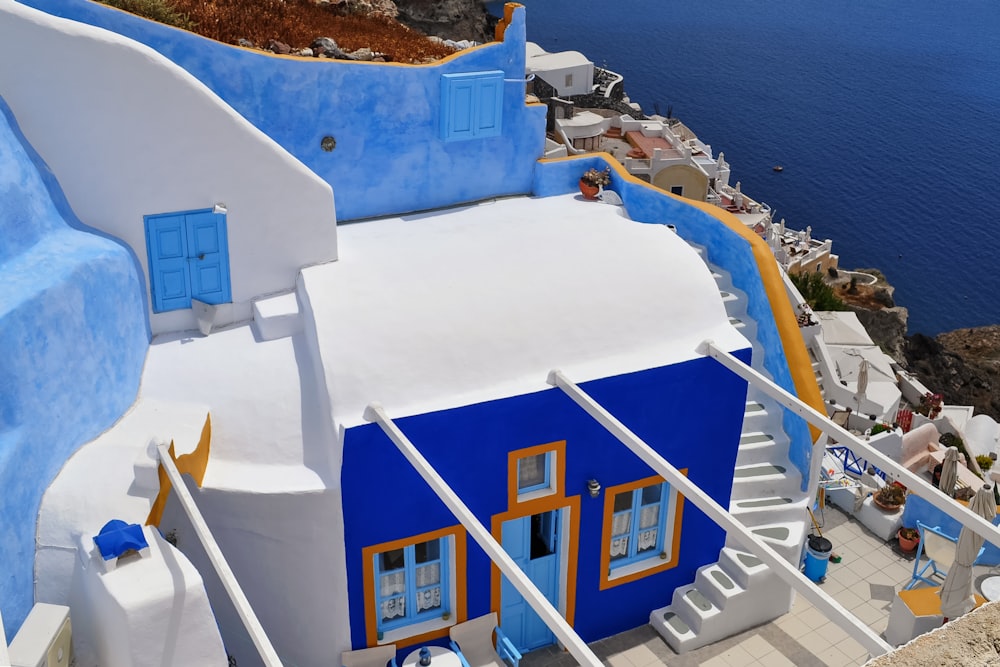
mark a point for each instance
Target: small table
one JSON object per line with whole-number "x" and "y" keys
{"x": 991, "y": 588}
{"x": 440, "y": 657}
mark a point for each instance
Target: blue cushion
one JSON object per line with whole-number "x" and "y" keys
{"x": 117, "y": 537}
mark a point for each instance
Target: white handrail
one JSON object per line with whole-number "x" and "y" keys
{"x": 239, "y": 599}
{"x": 856, "y": 628}
{"x": 913, "y": 482}
{"x": 548, "y": 613}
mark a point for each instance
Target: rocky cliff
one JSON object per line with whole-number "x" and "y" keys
{"x": 963, "y": 365}
{"x": 449, "y": 19}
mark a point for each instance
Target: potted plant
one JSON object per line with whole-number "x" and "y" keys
{"x": 593, "y": 180}
{"x": 908, "y": 539}
{"x": 889, "y": 498}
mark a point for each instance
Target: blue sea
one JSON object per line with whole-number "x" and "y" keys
{"x": 885, "y": 116}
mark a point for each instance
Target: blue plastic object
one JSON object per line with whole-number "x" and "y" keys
{"x": 117, "y": 537}
{"x": 817, "y": 557}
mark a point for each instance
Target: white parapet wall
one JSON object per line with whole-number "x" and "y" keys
{"x": 161, "y": 143}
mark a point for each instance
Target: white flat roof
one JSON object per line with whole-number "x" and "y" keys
{"x": 546, "y": 62}
{"x": 429, "y": 312}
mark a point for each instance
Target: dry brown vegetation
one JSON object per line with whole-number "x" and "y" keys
{"x": 297, "y": 23}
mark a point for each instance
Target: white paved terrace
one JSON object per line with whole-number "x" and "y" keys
{"x": 865, "y": 581}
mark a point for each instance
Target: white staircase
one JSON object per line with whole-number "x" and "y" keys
{"x": 739, "y": 592}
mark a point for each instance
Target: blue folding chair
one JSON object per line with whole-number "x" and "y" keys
{"x": 940, "y": 550}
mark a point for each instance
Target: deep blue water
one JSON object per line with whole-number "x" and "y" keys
{"x": 885, "y": 116}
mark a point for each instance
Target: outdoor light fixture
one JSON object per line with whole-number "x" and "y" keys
{"x": 594, "y": 487}
{"x": 220, "y": 208}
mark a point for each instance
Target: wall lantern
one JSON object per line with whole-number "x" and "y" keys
{"x": 593, "y": 487}
{"x": 220, "y": 208}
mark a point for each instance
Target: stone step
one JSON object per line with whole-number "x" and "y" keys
{"x": 669, "y": 625}
{"x": 742, "y": 567}
{"x": 717, "y": 586}
{"x": 764, "y": 480}
{"x": 785, "y": 537}
{"x": 757, "y": 511}
{"x": 276, "y": 317}
{"x": 692, "y": 605}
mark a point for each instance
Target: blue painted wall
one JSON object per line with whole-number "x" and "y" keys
{"x": 725, "y": 249}
{"x": 73, "y": 336}
{"x": 390, "y": 157}
{"x": 692, "y": 413}
{"x": 918, "y": 509}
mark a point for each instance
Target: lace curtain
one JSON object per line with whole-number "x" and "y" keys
{"x": 391, "y": 584}
{"x": 619, "y": 547}
{"x": 429, "y": 598}
{"x": 649, "y": 518}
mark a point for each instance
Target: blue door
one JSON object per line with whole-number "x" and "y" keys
{"x": 188, "y": 259}
{"x": 533, "y": 543}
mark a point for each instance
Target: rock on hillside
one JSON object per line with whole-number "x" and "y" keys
{"x": 963, "y": 365}
{"x": 448, "y": 19}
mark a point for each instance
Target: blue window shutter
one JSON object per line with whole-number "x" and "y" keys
{"x": 458, "y": 110}
{"x": 471, "y": 105}
{"x": 166, "y": 244}
{"x": 489, "y": 112}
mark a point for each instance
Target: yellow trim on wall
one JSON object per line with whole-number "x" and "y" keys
{"x": 806, "y": 387}
{"x": 571, "y": 535}
{"x": 193, "y": 464}
{"x": 518, "y": 509}
{"x": 556, "y": 475}
{"x": 606, "y": 581}
{"x": 508, "y": 18}
{"x": 458, "y": 614}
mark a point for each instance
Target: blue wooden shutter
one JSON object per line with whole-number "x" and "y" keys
{"x": 166, "y": 243}
{"x": 188, "y": 258}
{"x": 471, "y": 105}
{"x": 208, "y": 257}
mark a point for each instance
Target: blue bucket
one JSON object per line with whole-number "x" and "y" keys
{"x": 817, "y": 557}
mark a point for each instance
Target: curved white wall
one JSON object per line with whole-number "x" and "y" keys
{"x": 128, "y": 133}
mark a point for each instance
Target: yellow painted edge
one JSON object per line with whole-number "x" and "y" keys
{"x": 559, "y": 447}
{"x": 193, "y": 464}
{"x": 546, "y": 504}
{"x": 508, "y": 18}
{"x": 606, "y": 581}
{"x": 799, "y": 366}
{"x": 368, "y": 579}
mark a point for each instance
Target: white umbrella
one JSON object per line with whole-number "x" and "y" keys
{"x": 957, "y": 596}
{"x": 949, "y": 472}
{"x": 862, "y": 382}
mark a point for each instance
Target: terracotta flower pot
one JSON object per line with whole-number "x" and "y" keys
{"x": 589, "y": 191}
{"x": 907, "y": 544}
{"x": 885, "y": 507}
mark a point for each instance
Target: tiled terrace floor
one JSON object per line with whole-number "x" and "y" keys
{"x": 865, "y": 582}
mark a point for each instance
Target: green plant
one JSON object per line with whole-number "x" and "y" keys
{"x": 879, "y": 428}
{"x": 984, "y": 461}
{"x": 155, "y": 10}
{"x": 909, "y": 533}
{"x": 816, "y": 292}
{"x": 597, "y": 178}
{"x": 891, "y": 495}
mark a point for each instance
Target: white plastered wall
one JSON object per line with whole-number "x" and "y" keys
{"x": 128, "y": 133}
